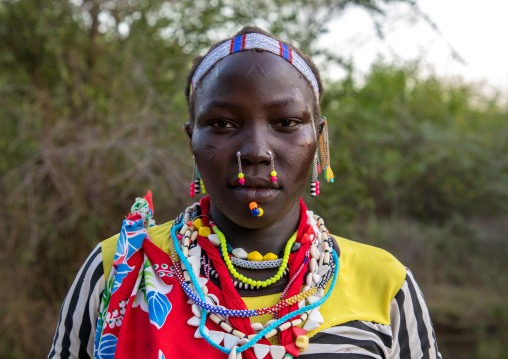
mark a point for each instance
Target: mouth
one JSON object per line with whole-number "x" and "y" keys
{"x": 255, "y": 183}
{"x": 255, "y": 189}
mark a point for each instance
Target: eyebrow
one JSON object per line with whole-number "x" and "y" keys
{"x": 282, "y": 102}
{"x": 222, "y": 104}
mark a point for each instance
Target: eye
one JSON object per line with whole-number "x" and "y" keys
{"x": 287, "y": 122}
{"x": 221, "y": 124}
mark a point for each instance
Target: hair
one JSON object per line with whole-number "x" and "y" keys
{"x": 249, "y": 30}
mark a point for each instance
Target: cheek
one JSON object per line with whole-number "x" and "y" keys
{"x": 210, "y": 157}
{"x": 297, "y": 163}
{"x": 303, "y": 150}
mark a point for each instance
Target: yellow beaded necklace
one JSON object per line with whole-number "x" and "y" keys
{"x": 250, "y": 281}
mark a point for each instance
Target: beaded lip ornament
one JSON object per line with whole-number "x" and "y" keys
{"x": 255, "y": 209}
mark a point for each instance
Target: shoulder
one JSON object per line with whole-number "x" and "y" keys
{"x": 370, "y": 263}
{"x": 369, "y": 279}
{"x": 160, "y": 236}
{"x": 369, "y": 271}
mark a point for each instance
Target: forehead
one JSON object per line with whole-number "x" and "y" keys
{"x": 262, "y": 76}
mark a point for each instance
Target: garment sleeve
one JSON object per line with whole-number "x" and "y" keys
{"x": 74, "y": 336}
{"x": 413, "y": 334}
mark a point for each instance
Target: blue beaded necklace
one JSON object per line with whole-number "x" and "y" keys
{"x": 266, "y": 330}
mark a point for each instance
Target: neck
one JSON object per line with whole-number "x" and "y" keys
{"x": 264, "y": 240}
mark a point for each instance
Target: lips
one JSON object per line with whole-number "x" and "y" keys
{"x": 255, "y": 189}
{"x": 255, "y": 183}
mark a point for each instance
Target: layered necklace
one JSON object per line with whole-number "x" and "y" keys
{"x": 190, "y": 235}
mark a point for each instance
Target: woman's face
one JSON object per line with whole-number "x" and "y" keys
{"x": 254, "y": 102}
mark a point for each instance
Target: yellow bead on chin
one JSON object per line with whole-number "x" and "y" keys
{"x": 270, "y": 257}
{"x": 302, "y": 342}
{"x": 254, "y": 256}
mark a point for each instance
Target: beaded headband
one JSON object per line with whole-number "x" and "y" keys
{"x": 254, "y": 41}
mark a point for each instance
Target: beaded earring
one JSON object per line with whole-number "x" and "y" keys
{"x": 240, "y": 173}
{"x": 273, "y": 174}
{"x": 195, "y": 186}
{"x": 324, "y": 151}
{"x": 314, "y": 184}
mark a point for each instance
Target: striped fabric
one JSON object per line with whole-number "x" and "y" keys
{"x": 74, "y": 337}
{"x": 409, "y": 336}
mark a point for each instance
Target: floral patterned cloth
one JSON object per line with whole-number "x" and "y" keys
{"x": 137, "y": 316}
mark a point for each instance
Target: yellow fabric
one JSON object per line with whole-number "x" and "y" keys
{"x": 369, "y": 278}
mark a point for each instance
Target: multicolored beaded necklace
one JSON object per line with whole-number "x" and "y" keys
{"x": 322, "y": 267}
{"x": 241, "y": 277}
{"x": 236, "y": 283}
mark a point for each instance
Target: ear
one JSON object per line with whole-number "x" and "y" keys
{"x": 187, "y": 128}
{"x": 320, "y": 126}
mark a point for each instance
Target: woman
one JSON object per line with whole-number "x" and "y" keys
{"x": 248, "y": 271}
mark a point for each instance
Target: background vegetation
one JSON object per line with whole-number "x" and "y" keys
{"x": 91, "y": 109}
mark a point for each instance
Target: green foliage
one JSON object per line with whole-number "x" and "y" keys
{"x": 422, "y": 147}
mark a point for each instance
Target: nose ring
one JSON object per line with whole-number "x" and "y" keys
{"x": 241, "y": 176}
{"x": 273, "y": 174}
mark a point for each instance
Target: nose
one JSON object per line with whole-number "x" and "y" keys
{"x": 254, "y": 148}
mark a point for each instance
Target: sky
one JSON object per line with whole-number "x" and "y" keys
{"x": 475, "y": 30}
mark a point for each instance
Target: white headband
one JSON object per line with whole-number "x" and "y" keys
{"x": 254, "y": 41}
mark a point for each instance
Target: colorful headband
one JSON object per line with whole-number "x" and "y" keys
{"x": 254, "y": 41}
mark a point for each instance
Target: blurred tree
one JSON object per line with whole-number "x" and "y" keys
{"x": 420, "y": 147}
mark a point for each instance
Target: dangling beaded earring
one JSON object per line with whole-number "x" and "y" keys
{"x": 195, "y": 185}
{"x": 324, "y": 151}
{"x": 240, "y": 173}
{"x": 273, "y": 174}
{"x": 203, "y": 189}
{"x": 314, "y": 184}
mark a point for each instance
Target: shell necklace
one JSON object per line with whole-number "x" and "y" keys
{"x": 323, "y": 266}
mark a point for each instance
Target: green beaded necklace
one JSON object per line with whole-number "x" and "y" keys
{"x": 250, "y": 281}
